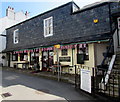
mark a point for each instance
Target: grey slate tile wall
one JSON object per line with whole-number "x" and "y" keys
{"x": 65, "y": 26}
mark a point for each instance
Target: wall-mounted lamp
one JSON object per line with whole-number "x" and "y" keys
{"x": 95, "y": 20}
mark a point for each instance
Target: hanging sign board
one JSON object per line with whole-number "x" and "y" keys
{"x": 85, "y": 80}
{"x": 57, "y": 46}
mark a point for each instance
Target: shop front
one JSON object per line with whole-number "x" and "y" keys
{"x": 84, "y": 54}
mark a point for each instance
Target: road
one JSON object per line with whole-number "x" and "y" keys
{"x": 52, "y": 87}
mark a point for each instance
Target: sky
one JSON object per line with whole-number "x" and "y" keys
{"x": 38, "y": 6}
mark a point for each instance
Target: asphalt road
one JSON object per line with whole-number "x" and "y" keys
{"x": 52, "y": 87}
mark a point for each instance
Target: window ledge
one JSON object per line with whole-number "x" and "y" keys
{"x": 48, "y": 35}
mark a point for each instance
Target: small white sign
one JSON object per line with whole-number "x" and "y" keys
{"x": 86, "y": 80}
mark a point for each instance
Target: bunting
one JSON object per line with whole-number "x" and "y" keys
{"x": 50, "y": 48}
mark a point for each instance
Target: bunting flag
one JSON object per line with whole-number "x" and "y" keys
{"x": 80, "y": 45}
{"x": 84, "y": 45}
{"x": 68, "y": 46}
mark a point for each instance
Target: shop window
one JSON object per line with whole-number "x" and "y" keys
{"x": 14, "y": 57}
{"x": 34, "y": 57}
{"x": 83, "y": 51}
{"x": 23, "y": 57}
{"x": 64, "y": 52}
{"x": 48, "y": 27}
{"x": 15, "y": 36}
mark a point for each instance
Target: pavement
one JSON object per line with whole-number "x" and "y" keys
{"x": 69, "y": 78}
{"x": 20, "y": 92}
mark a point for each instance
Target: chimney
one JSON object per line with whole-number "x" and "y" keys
{"x": 26, "y": 14}
{"x": 10, "y": 13}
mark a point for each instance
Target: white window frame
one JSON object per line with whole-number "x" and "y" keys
{"x": 48, "y": 26}
{"x": 14, "y": 35}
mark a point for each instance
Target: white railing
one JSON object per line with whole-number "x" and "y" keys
{"x": 105, "y": 80}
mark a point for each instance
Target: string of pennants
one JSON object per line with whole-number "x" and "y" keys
{"x": 50, "y": 48}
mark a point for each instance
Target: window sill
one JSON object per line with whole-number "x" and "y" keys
{"x": 48, "y": 35}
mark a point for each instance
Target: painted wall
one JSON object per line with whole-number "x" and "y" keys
{"x": 95, "y": 51}
{"x": 100, "y": 48}
{"x": 7, "y": 22}
{"x": 73, "y": 54}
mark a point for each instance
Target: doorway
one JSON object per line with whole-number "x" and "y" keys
{"x": 47, "y": 60}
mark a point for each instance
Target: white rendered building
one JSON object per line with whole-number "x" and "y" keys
{"x": 10, "y": 19}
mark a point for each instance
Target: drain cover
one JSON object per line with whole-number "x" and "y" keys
{"x": 6, "y": 95}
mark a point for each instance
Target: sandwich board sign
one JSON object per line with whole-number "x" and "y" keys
{"x": 86, "y": 80}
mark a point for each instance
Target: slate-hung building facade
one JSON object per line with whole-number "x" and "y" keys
{"x": 78, "y": 32}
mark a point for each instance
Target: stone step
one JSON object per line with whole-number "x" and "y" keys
{"x": 114, "y": 76}
{"x": 116, "y": 94}
{"x": 115, "y": 81}
{"x": 117, "y": 58}
{"x": 118, "y": 53}
{"x": 117, "y": 62}
{"x": 116, "y": 66}
{"x": 111, "y": 88}
{"x": 114, "y": 73}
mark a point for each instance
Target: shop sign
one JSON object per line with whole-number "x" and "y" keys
{"x": 64, "y": 59}
{"x": 85, "y": 80}
{"x": 57, "y": 46}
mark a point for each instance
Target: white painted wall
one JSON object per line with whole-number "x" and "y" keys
{"x": 100, "y": 48}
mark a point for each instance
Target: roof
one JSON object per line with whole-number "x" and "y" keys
{"x": 42, "y": 14}
{"x": 94, "y": 5}
{"x": 85, "y": 39}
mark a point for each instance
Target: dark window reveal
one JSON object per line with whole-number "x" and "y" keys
{"x": 14, "y": 57}
{"x": 64, "y": 52}
{"x": 83, "y": 49}
{"x": 23, "y": 57}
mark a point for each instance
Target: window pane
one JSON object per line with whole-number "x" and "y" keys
{"x": 15, "y": 36}
{"x": 48, "y": 29}
{"x": 64, "y": 52}
{"x": 14, "y": 57}
{"x": 81, "y": 49}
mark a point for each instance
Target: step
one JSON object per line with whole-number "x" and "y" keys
{"x": 117, "y": 62}
{"x": 116, "y": 94}
{"x": 114, "y": 76}
{"x": 118, "y": 53}
{"x": 115, "y": 81}
{"x": 117, "y": 66}
{"x": 110, "y": 87}
{"x": 117, "y": 58}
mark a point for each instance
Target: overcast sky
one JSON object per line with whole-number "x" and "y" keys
{"x": 38, "y": 6}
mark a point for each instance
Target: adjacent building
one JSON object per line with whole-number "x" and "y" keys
{"x": 67, "y": 33}
{"x": 10, "y": 19}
